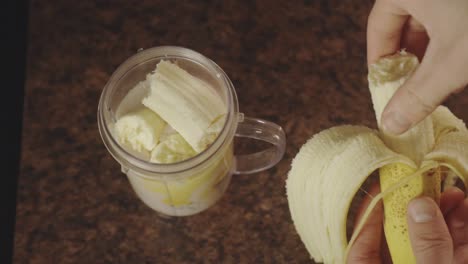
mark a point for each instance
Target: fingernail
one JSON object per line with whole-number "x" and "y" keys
{"x": 395, "y": 123}
{"x": 422, "y": 210}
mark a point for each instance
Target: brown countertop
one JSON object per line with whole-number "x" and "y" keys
{"x": 300, "y": 64}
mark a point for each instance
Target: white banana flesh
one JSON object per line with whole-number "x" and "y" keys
{"x": 330, "y": 168}
{"x": 172, "y": 148}
{"x": 140, "y": 129}
{"x": 324, "y": 178}
{"x": 186, "y": 103}
{"x": 170, "y": 117}
{"x": 170, "y": 97}
{"x": 384, "y": 79}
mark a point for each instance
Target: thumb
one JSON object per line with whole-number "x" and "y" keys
{"x": 442, "y": 72}
{"x": 429, "y": 235}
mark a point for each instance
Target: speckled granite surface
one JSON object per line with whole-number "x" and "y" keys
{"x": 300, "y": 64}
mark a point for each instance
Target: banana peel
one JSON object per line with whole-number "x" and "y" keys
{"x": 330, "y": 168}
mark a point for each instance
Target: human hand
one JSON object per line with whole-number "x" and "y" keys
{"x": 437, "y": 235}
{"x": 435, "y": 31}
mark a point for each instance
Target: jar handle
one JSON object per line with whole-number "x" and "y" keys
{"x": 263, "y": 130}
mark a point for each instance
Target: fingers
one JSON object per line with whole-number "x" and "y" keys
{"x": 457, "y": 223}
{"x": 450, "y": 199}
{"x": 444, "y": 62}
{"x": 429, "y": 235}
{"x": 461, "y": 255}
{"x": 384, "y": 28}
{"x": 366, "y": 248}
{"x": 414, "y": 38}
{"x": 440, "y": 74}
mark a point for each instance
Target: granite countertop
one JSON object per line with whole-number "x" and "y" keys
{"x": 300, "y": 64}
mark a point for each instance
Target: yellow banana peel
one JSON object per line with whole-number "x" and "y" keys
{"x": 331, "y": 167}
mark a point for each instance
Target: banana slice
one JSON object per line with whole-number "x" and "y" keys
{"x": 186, "y": 103}
{"x": 140, "y": 130}
{"x": 172, "y": 149}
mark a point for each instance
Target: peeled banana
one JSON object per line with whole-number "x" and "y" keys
{"x": 330, "y": 168}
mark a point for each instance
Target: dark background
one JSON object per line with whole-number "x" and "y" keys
{"x": 14, "y": 40}
{"x": 300, "y": 64}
